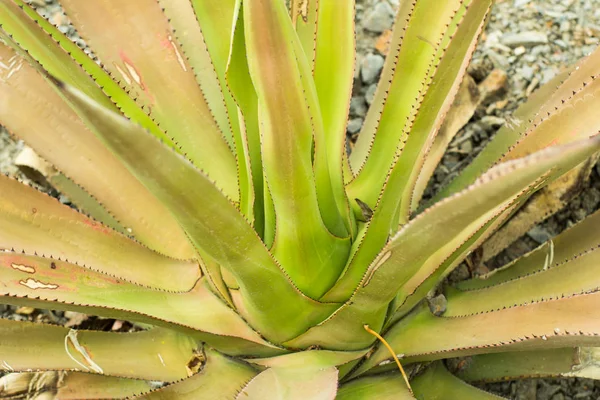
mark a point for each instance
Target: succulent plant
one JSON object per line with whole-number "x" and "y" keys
{"x": 203, "y": 143}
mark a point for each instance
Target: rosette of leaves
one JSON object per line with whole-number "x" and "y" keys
{"x": 203, "y": 143}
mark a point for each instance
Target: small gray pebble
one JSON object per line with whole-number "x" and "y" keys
{"x": 371, "y": 67}
{"x": 490, "y": 121}
{"x": 370, "y": 95}
{"x": 539, "y": 234}
{"x": 547, "y": 75}
{"x": 354, "y": 125}
{"x": 541, "y": 50}
{"x": 63, "y": 199}
{"x": 380, "y": 19}
{"x": 527, "y": 39}
{"x": 526, "y": 72}
{"x": 520, "y": 3}
{"x": 358, "y": 106}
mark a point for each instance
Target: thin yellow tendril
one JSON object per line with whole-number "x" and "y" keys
{"x": 387, "y": 345}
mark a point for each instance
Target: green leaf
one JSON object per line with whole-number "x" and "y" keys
{"x": 139, "y": 36}
{"x": 458, "y": 47}
{"x": 424, "y": 244}
{"x": 574, "y": 241}
{"x": 396, "y": 195}
{"x": 240, "y": 84}
{"x": 376, "y": 387}
{"x": 78, "y": 386}
{"x": 61, "y": 57}
{"x": 85, "y": 202}
{"x": 405, "y": 81}
{"x": 542, "y": 325}
{"x": 69, "y": 386}
{"x": 303, "y": 382}
{"x": 555, "y": 99}
{"x": 212, "y": 223}
{"x": 32, "y": 110}
{"x": 361, "y": 150}
{"x": 217, "y": 20}
{"x": 40, "y": 170}
{"x": 577, "y": 119}
{"x": 305, "y": 18}
{"x": 220, "y": 378}
{"x": 462, "y": 110}
{"x": 333, "y": 71}
{"x": 579, "y": 274}
{"x": 439, "y": 384}
{"x": 331, "y": 195}
{"x": 565, "y": 362}
{"x": 306, "y": 250}
{"x": 196, "y": 32}
{"x": 157, "y": 354}
{"x": 542, "y": 205}
{"x": 313, "y": 358}
{"x": 417, "y": 288}
{"x": 63, "y": 285}
{"x": 431, "y": 270}
{"x": 35, "y": 222}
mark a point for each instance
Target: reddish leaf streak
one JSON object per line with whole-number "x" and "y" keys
{"x": 97, "y": 226}
{"x": 135, "y": 74}
{"x": 165, "y": 43}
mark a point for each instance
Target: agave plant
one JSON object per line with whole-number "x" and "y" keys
{"x": 204, "y": 144}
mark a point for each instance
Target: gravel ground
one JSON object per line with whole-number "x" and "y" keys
{"x": 530, "y": 41}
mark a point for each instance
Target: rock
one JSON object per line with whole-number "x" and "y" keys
{"x": 25, "y": 310}
{"x": 370, "y": 95}
{"x": 498, "y": 59}
{"x": 358, "y": 106}
{"x": 380, "y": 19}
{"x": 590, "y": 200}
{"x": 526, "y": 72}
{"x": 64, "y": 199}
{"x": 437, "y": 305}
{"x": 547, "y": 75}
{"x": 459, "y": 274}
{"x": 520, "y": 3}
{"x": 526, "y": 390}
{"x": 526, "y": 39}
{"x": 466, "y": 147}
{"x": 539, "y": 234}
{"x": 520, "y": 50}
{"x": 371, "y": 67}
{"x": 561, "y": 43}
{"x": 492, "y": 122}
{"x": 541, "y": 50}
{"x": 354, "y": 125}
{"x": 450, "y": 160}
{"x": 34, "y": 167}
